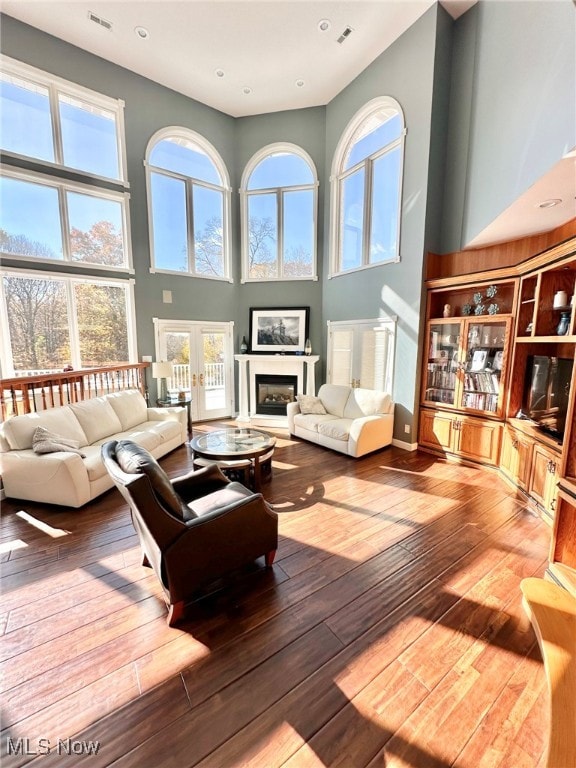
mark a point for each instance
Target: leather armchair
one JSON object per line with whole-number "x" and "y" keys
{"x": 194, "y": 529}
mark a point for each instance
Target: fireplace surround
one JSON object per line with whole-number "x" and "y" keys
{"x": 300, "y": 367}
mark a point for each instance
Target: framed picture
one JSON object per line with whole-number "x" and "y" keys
{"x": 498, "y": 360}
{"x": 284, "y": 329}
{"x": 479, "y": 360}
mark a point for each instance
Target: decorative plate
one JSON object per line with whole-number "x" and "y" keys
{"x": 491, "y": 291}
{"x": 477, "y": 298}
{"x": 467, "y": 309}
{"x": 479, "y": 309}
{"x": 493, "y": 309}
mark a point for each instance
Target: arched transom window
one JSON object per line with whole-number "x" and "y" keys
{"x": 367, "y": 186}
{"x": 188, "y": 205}
{"x": 279, "y": 202}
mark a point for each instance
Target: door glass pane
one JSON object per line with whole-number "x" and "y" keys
{"x": 352, "y": 221}
{"x": 262, "y": 236}
{"x": 169, "y": 217}
{"x": 89, "y": 137}
{"x": 443, "y": 350}
{"x": 341, "y": 357}
{"x": 29, "y": 219}
{"x": 208, "y": 233}
{"x": 483, "y": 366}
{"x": 38, "y": 324}
{"x": 178, "y": 353}
{"x": 385, "y": 202}
{"x": 95, "y": 230}
{"x": 102, "y": 324}
{"x": 214, "y": 371}
{"x": 25, "y": 123}
{"x": 298, "y": 233}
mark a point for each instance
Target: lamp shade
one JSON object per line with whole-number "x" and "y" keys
{"x": 162, "y": 370}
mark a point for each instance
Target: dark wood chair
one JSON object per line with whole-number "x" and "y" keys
{"x": 194, "y": 529}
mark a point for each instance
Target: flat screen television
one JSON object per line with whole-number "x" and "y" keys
{"x": 546, "y": 391}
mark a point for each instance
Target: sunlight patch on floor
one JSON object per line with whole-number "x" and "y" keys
{"x": 12, "y": 546}
{"x": 55, "y": 533}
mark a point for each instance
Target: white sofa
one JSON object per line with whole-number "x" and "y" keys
{"x": 356, "y": 421}
{"x": 66, "y": 478}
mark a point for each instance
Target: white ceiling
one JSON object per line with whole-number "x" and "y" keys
{"x": 267, "y": 46}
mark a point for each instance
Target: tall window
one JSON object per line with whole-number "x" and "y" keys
{"x": 55, "y": 320}
{"x": 45, "y": 218}
{"x": 57, "y": 122}
{"x": 279, "y": 203}
{"x": 188, "y": 201}
{"x": 366, "y": 188}
{"x": 69, "y": 205}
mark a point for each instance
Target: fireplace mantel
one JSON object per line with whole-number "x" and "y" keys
{"x": 301, "y": 366}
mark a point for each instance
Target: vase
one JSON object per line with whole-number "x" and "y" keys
{"x": 243, "y": 346}
{"x": 308, "y": 347}
{"x": 564, "y": 324}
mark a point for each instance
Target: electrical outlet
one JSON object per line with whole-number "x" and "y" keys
{"x": 407, "y": 428}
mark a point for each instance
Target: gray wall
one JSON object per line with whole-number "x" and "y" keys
{"x": 406, "y": 72}
{"x": 305, "y": 128}
{"x": 513, "y": 107}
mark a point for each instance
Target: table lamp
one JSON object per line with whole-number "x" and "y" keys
{"x": 162, "y": 370}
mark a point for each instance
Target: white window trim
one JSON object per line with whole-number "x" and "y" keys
{"x": 337, "y": 174}
{"x": 55, "y": 86}
{"x": 69, "y": 280}
{"x": 63, "y": 186}
{"x": 245, "y": 193}
{"x": 226, "y": 189}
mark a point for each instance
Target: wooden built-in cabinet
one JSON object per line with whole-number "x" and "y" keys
{"x": 468, "y": 438}
{"x": 498, "y": 326}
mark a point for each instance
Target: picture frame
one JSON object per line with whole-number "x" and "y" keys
{"x": 279, "y": 330}
{"x": 498, "y": 358}
{"x": 479, "y": 360}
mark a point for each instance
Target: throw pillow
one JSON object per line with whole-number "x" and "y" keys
{"x": 44, "y": 441}
{"x": 310, "y": 404}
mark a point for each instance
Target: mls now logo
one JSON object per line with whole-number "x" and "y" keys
{"x": 24, "y": 746}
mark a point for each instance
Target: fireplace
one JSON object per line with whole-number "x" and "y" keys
{"x": 274, "y": 392}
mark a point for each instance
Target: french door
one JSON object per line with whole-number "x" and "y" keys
{"x": 203, "y": 365}
{"x": 361, "y": 353}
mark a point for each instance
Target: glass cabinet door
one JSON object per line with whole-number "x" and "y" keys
{"x": 483, "y": 362}
{"x": 443, "y": 352}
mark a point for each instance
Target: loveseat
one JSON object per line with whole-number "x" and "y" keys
{"x": 352, "y": 421}
{"x": 75, "y": 475}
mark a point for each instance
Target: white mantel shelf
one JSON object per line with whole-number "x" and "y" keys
{"x": 301, "y": 366}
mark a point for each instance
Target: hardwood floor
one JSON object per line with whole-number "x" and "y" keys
{"x": 389, "y": 632}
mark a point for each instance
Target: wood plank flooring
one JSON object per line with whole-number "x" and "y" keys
{"x": 389, "y": 632}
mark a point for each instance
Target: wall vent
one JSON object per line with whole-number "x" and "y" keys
{"x": 99, "y": 20}
{"x": 347, "y": 32}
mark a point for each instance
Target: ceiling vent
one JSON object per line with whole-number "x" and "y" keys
{"x": 347, "y": 32}
{"x": 99, "y": 20}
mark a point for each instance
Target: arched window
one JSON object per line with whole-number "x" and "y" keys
{"x": 188, "y": 205}
{"x": 367, "y": 188}
{"x": 279, "y": 202}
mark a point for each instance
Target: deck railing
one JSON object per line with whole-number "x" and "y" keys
{"x": 37, "y": 392}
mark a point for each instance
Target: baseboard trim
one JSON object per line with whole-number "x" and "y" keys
{"x": 404, "y": 445}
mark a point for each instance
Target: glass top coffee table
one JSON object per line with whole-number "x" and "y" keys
{"x": 235, "y": 443}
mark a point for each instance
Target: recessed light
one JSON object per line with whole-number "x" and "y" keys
{"x": 142, "y": 33}
{"x": 550, "y": 203}
{"x": 247, "y": 90}
{"x": 219, "y": 73}
{"x": 324, "y": 25}
{"x": 299, "y": 83}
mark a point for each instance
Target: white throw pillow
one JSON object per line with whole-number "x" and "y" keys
{"x": 310, "y": 404}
